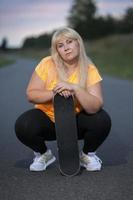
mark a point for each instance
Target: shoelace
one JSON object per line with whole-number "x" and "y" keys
{"x": 40, "y": 158}
{"x": 86, "y": 159}
{"x": 43, "y": 158}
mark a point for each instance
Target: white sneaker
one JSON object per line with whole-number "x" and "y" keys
{"x": 40, "y": 162}
{"x": 90, "y": 162}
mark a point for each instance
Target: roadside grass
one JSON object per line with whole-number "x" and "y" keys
{"x": 112, "y": 55}
{"x": 5, "y": 60}
{"x": 36, "y": 54}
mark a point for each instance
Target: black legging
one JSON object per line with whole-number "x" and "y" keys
{"x": 34, "y": 127}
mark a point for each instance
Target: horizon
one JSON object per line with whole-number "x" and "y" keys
{"x": 19, "y": 20}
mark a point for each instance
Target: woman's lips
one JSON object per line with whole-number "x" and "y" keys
{"x": 68, "y": 53}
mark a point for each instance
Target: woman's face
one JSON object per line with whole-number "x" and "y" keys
{"x": 68, "y": 49}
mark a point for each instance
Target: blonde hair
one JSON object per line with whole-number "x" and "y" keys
{"x": 83, "y": 60}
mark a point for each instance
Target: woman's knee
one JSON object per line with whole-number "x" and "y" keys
{"x": 104, "y": 120}
{"x": 29, "y": 124}
{"x": 23, "y": 124}
{"x": 20, "y": 126}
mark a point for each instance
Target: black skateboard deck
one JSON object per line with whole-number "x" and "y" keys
{"x": 66, "y": 134}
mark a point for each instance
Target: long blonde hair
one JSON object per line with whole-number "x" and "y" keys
{"x": 83, "y": 60}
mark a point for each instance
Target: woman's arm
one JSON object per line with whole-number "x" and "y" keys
{"x": 90, "y": 99}
{"x": 36, "y": 92}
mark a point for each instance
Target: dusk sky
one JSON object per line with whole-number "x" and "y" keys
{"x": 20, "y": 19}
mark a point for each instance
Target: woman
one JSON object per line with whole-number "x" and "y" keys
{"x": 68, "y": 71}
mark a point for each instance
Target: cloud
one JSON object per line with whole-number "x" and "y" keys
{"x": 40, "y": 15}
{"x": 116, "y": 8}
{"x": 43, "y": 9}
{"x": 25, "y": 19}
{"x": 19, "y": 19}
{"x": 112, "y": 4}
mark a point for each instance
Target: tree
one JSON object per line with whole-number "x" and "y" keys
{"x": 82, "y": 17}
{"x": 4, "y": 44}
{"x": 42, "y": 41}
{"x": 128, "y": 21}
{"x": 105, "y": 26}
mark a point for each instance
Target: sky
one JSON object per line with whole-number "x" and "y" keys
{"x": 20, "y": 19}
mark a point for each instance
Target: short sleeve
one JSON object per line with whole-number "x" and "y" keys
{"x": 93, "y": 75}
{"x": 42, "y": 68}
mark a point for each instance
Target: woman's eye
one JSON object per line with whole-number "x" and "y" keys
{"x": 69, "y": 41}
{"x": 60, "y": 45}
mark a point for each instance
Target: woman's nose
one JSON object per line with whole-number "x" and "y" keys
{"x": 66, "y": 47}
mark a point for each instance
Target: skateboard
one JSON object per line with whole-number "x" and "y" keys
{"x": 66, "y": 135}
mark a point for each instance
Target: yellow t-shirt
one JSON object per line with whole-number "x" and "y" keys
{"x": 47, "y": 72}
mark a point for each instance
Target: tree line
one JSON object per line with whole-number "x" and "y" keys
{"x": 84, "y": 19}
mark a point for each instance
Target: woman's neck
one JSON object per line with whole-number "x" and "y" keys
{"x": 72, "y": 64}
{"x": 70, "y": 68}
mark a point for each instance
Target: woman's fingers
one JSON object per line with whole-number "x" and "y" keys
{"x": 63, "y": 86}
{"x": 65, "y": 93}
{"x": 64, "y": 89}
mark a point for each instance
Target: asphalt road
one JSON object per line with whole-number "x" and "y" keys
{"x": 115, "y": 181}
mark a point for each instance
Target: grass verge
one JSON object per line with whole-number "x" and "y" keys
{"x": 5, "y": 60}
{"x": 113, "y": 55}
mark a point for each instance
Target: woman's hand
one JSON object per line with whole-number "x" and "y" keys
{"x": 65, "y": 93}
{"x": 64, "y": 89}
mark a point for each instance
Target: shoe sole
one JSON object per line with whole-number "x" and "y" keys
{"x": 44, "y": 168}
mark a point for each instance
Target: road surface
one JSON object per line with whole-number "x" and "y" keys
{"x": 115, "y": 181}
